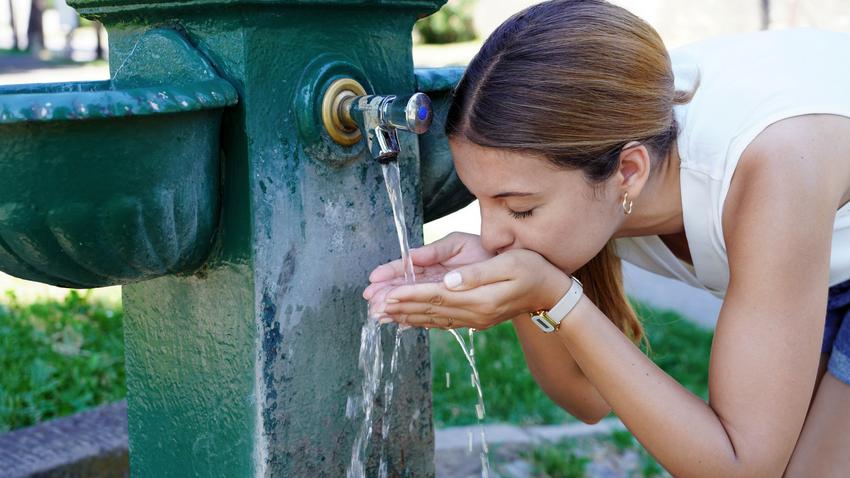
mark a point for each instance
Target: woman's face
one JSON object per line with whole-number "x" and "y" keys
{"x": 528, "y": 203}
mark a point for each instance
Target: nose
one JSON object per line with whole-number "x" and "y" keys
{"x": 495, "y": 236}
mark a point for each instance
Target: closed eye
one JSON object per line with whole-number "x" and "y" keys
{"x": 520, "y": 214}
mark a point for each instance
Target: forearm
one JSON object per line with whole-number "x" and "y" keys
{"x": 557, "y": 373}
{"x": 678, "y": 428}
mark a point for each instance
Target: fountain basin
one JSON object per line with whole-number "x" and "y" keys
{"x": 113, "y": 182}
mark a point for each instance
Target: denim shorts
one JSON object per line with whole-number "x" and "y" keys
{"x": 836, "y": 334}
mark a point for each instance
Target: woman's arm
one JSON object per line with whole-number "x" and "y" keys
{"x": 557, "y": 373}
{"x": 767, "y": 342}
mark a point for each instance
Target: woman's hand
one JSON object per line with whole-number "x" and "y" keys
{"x": 430, "y": 263}
{"x": 479, "y": 295}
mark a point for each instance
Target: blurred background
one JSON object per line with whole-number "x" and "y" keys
{"x": 61, "y": 350}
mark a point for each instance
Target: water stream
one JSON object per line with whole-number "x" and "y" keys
{"x": 371, "y": 360}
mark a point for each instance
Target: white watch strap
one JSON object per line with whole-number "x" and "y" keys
{"x": 567, "y": 302}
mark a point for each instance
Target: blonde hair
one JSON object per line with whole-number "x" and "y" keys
{"x": 574, "y": 81}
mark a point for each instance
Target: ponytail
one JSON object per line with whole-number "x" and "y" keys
{"x": 602, "y": 278}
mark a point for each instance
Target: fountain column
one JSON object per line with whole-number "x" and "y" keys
{"x": 243, "y": 368}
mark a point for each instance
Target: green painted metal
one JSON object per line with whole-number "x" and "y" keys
{"x": 442, "y": 191}
{"x": 117, "y": 181}
{"x": 244, "y": 366}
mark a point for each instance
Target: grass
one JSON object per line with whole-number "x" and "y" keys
{"x": 58, "y": 357}
{"x": 9, "y": 52}
{"x": 617, "y": 454}
{"x": 558, "y": 460}
{"x": 510, "y": 392}
{"x": 624, "y": 441}
{"x": 63, "y": 356}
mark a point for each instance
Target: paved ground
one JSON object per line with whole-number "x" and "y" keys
{"x": 509, "y": 446}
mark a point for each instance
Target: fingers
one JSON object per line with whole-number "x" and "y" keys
{"x": 428, "y": 292}
{"x": 371, "y": 289}
{"x": 377, "y": 303}
{"x": 475, "y": 305}
{"x": 496, "y": 269}
{"x": 429, "y": 255}
{"x": 435, "y": 276}
{"x": 438, "y": 251}
{"x": 433, "y": 322}
{"x": 391, "y": 270}
{"x": 427, "y": 309}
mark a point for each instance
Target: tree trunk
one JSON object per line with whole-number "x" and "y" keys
{"x": 35, "y": 30}
{"x": 15, "y": 45}
{"x": 98, "y": 30}
{"x": 765, "y": 14}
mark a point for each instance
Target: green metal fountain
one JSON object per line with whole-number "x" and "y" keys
{"x": 218, "y": 178}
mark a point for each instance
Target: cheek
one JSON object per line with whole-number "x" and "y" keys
{"x": 576, "y": 238}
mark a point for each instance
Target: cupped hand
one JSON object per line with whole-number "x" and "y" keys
{"x": 479, "y": 295}
{"x": 431, "y": 263}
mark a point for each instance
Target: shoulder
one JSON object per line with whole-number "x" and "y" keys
{"x": 798, "y": 162}
{"x": 779, "y": 212}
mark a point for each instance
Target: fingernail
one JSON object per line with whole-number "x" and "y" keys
{"x": 452, "y": 279}
{"x": 391, "y": 301}
{"x": 386, "y": 320}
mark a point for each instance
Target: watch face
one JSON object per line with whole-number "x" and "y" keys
{"x": 542, "y": 323}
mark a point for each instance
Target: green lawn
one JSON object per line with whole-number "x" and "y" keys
{"x": 511, "y": 394}
{"x": 59, "y": 357}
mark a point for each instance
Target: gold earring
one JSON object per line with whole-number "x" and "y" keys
{"x": 627, "y": 209}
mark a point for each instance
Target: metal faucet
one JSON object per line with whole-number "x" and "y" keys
{"x": 380, "y": 117}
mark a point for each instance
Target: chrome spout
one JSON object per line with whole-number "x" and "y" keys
{"x": 379, "y": 117}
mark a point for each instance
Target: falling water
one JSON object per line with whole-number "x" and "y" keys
{"x": 469, "y": 353}
{"x": 371, "y": 360}
{"x": 371, "y": 363}
{"x": 392, "y": 179}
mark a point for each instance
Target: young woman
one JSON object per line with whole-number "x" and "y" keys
{"x": 727, "y": 167}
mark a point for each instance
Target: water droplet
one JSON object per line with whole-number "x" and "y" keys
{"x": 469, "y": 437}
{"x": 448, "y": 380}
{"x": 350, "y": 407}
{"x": 485, "y": 466}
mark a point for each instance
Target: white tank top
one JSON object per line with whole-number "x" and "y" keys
{"x": 748, "y": 81}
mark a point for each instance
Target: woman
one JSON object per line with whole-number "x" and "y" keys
{"x": 733, "y": 174}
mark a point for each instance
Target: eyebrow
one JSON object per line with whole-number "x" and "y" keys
{"x": 512, "y": 194}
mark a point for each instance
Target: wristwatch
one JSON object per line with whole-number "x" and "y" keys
{"x": 550, "y": 321}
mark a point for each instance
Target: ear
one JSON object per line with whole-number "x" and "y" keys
{"x": 634, "y": 168}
